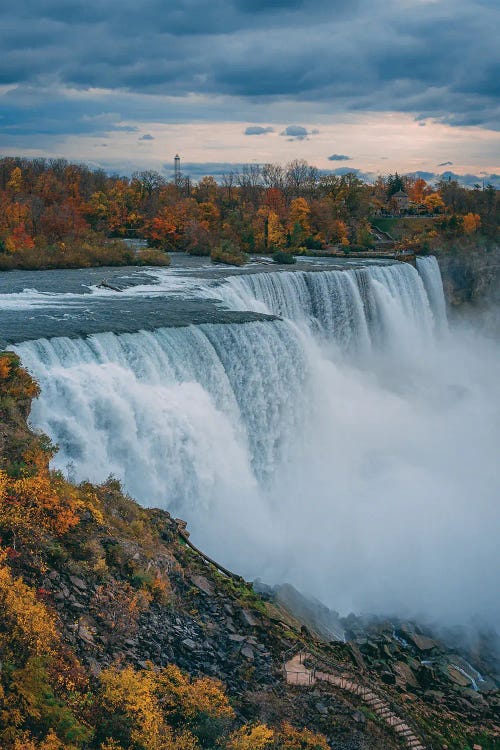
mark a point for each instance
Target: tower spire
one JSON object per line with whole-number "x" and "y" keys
{"x": 177, "y": 169}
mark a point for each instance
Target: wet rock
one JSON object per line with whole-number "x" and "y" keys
{"x": 404, "y": 675}
{"x": 457, "y": 677}
{"x": 189, "y": 643}
{"x": 422, "y": 642}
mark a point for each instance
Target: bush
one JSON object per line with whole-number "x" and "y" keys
{"x": 285, "y": 258}
{"x": 228, "y": 253}
{"x": 313, "y": 244}
{"x": 91, "y": 252}
{"x": 151, "y": 256}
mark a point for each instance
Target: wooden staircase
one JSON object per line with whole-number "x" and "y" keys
{"x": 298, "y": 674}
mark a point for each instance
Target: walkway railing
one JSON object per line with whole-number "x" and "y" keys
{"x": 354, "y": 682}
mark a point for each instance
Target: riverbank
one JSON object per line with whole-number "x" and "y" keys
{"x": 81, "y": 255}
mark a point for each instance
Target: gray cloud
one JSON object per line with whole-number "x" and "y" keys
{"x": 445, "y": 164}
{"x": 147, "y": 137}
{"x": 412, "y": 57}
{"x": 339, "y": 157}
{"x": 295, "y": 132}
{"x": 258, "y": 130}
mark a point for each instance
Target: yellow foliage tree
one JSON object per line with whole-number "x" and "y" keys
{"x": 300, "y": 214}
{"x": 15, "y": 182}
{"x": 434, "y": 202}
{"x": 51, "y": 742}
{"x": 472, "y": 222}
{"x": 28, "y": 627}
{"x": 290, "y": 738}
{"x": 257, "y": 737}
{"x": 132, "y": 693}
{"x": 275, "y": 232}
{"x": 188, "y": 698}
{"x": 32, "y": 505}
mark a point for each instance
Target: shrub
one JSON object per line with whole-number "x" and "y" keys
{"x": 312, "y": 243}
{"x": 227, "y": 252}
{"x": 285, "y": 258}
{"x": 152, "y": 256}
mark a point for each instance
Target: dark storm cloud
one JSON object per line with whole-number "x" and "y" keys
{"x": 258, "y": 130}
{"x": 339, "y": 157}
{"x": 434, "y": 59}
{"x": 295, "y": 131}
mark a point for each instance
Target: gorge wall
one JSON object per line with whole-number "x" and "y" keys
{"x": 471, "y": 277}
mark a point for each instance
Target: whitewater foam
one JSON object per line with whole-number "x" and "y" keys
{"x": 349, "y": 448}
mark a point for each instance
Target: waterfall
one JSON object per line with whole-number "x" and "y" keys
{"x": 428, "y": 269}
{"x": 385, "y": 306}
{"x": 337, "y": 448}
{"x": 149, "y": 406}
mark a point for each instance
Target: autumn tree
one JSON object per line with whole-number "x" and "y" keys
{"x": 471, "y": 223}
{"x": 298, "y": 221}
{"x": 434, "y": 202}
{"x": 253, "y": 737}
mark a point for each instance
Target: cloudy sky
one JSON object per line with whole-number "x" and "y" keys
{"x": 373, "y": 85}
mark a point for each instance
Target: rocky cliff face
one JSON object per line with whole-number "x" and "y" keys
{"x": 471, "y": 276}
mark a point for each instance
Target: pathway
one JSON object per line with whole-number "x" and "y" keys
{"x": 298, "y": 674}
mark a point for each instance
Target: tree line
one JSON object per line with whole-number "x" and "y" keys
{"x": 53, "y": 206}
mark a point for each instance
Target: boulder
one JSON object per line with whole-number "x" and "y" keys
{"x": 78, "y": 583}
{"x": 422, "y": 642}
{"x": 404, "y": 675}
{"x": 249, "y": 618}
{"x": 247, "y": 652}
{"x": 203, "y": 584}
{"x": 457, "y": 677}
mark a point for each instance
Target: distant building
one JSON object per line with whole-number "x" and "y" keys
{"x": 402, "y": 201}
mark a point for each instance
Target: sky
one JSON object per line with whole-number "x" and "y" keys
{"x": 366, "y": 85}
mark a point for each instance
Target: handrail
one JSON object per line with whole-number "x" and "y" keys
{"x": 365, "y": 687}
{"x": 208, "y": 559}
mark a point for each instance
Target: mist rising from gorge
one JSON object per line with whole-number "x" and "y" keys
{"x": 360, "y": 467}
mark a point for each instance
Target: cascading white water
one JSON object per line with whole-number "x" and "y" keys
{"x": 347, "y": 470}
{"x": 428, "y": 269}
{"x": 149, "y": 406}
{"x": 386, "y": 305}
